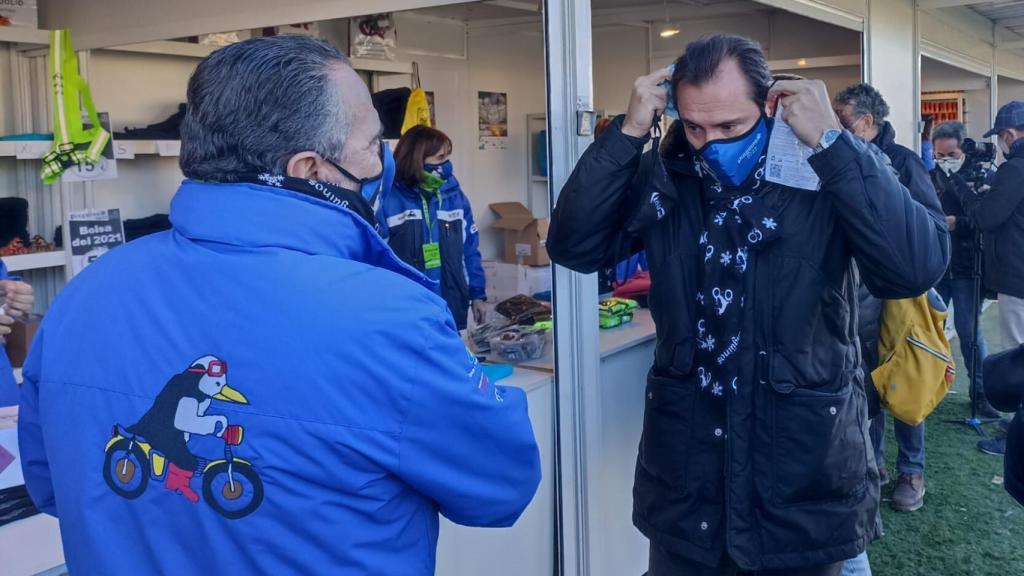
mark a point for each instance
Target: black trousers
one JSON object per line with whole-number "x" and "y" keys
{"x": 664, "y": 563}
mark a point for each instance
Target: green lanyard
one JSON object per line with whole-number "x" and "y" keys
{"x": 426, "y": 214}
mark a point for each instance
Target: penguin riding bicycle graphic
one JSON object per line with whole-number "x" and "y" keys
{"x": 157, "y": 445}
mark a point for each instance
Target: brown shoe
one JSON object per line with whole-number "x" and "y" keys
{"x": 909, "y": 493}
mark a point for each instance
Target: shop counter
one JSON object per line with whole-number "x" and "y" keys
{"x": 613, "y": 341}
{"x": 529, "y": 546}
{"x": 614, "y": 421}
{"x": 30, "y": 546}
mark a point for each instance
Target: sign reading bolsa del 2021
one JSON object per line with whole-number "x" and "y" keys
{"x": 93, "y": 233}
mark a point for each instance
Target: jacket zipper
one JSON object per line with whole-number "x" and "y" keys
{"x": 921, "y": 345}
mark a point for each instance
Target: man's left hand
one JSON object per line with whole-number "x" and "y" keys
{"x": 951, "y": 223}
{"x": 808, "y": 108}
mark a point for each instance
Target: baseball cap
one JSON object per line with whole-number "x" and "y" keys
{"x": 1010, "y": 115}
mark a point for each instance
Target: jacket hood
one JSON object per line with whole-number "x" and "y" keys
{"x": 250, "y": 215}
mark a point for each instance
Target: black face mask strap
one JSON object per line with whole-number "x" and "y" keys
{"x": 349, "y": 175}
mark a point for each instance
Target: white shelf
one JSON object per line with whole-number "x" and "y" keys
{"x": 37, "y": 261}
{"x": 168, "y": 48}
{"x": 21, "y": 35}
{"x": 123, "y": 149}
{"x": 384, "y": 66}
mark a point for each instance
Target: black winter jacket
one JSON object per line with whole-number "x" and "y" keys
{"x": 787, "y": 478}
{"x": 952, "y": 187}
{"x": 999, "y": 213}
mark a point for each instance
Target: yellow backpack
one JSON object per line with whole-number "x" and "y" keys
{"x": 916, "y": 368}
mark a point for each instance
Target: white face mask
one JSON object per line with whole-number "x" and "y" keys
{"x": 1004, "y": 147}
{"x": 950, "y": 165}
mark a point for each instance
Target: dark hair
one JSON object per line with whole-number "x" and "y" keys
{"x": 951, "y": 129}
{"x": 255, "y": 104}
{"x": 697, "y": 66}
{"x": 865, "y": 100}
{"x": 419, "y": 143}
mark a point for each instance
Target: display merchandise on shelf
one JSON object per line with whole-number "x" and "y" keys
{"x": 943, "y": 106}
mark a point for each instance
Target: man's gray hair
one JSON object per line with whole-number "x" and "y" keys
{"x": 950, "y": 129}
{"x": 865, "y": 99}
{"x": 255, "y": 104}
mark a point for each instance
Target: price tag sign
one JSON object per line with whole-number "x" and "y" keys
{"x": 104, "y": 169}
{"x": 93, "y": 234}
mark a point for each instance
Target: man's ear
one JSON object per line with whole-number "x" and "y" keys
{"x": 304, "y": 165}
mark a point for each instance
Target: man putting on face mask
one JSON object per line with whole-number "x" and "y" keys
{"x": 755, "y": 453}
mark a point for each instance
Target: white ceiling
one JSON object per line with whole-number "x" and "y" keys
{"x": 627, "y": 10}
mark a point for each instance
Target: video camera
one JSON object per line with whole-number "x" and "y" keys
{"x": 978, "y": 160}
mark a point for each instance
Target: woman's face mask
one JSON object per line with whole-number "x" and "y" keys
{"x": 442, "y": 170}
{"x": 731, "y": 160}
{"x": 950, "y": 165}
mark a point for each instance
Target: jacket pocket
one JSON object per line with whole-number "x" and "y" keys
{"x": 819, "y": 445}
{"x": 668, "y": 428}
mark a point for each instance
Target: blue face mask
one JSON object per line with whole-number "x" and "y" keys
{"x": 372, "y": 187}
{"x": 442, "y": 170}
{"x": 731, "y": 160}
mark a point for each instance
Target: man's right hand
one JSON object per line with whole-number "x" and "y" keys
{"x": 647, "y": 101}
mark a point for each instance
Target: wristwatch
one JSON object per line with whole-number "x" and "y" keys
{"x": 827, "y": 139}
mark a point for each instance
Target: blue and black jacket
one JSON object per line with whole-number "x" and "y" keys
{"x": 450, "y": 224}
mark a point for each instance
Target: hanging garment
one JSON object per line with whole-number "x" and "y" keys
{"x": 417, "y": 110}
{"x": 73, "y": 144}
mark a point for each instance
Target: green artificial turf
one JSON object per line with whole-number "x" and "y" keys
{"x": 969, "y": 525}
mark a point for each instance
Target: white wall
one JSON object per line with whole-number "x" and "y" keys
{"x": 620, "y": 57}
{"x": 8, "y": 176}
{"x": 891, "y": 32}
{"x": 1009, "y": 89}
{"x": 137, "y": 90}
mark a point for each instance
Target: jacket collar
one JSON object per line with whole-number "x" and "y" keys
{"x": 254, "y": 216}
{"x": 1017, "y": 149}
{"x": 886, "y": 136}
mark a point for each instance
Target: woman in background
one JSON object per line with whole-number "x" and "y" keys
{"x": 429, "y": 222}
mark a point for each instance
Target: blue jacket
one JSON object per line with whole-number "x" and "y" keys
{"x": 461, "y": 275}
{"x": 363, "y": 413}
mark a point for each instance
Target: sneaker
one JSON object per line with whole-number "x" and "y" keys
{"x": 993, "y": 446}
{"x": 985, "y": 411}
{"x": 883, "y": 475}
{"x": 909, "y": 493}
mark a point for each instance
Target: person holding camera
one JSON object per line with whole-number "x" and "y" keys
{"x": 954, "y": 175}
{"x": 999, "y": 213}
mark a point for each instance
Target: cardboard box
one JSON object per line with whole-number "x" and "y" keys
{"x": 19, "y": 341}
{"x": 525, "y": 234}
{"x": 507, "y": 280}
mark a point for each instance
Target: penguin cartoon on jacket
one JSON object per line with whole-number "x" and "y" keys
{"x": 180, "y": 411}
